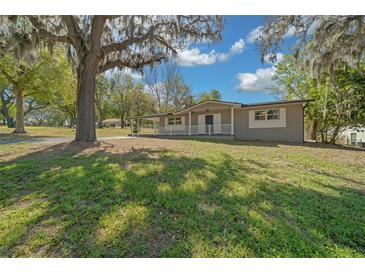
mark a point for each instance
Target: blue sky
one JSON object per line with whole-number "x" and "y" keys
{"x": 232, "y": 71}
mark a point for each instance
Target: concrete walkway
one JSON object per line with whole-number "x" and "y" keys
{"x": 36, "y": 140}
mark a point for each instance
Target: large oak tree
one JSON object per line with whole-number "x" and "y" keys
{"x": 32, "y": 84}
{"x": 100, "y": 43}
{"x": 325, "y": 42}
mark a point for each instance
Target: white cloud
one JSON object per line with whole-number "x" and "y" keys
{"x": 236, "y": 48}
{"x": 133, "y": 73}
{"x": 256, "y": 33}
{"x": 261, "y": 80}
{"x": 194, "y": 57}
{"x": 268, "y": 58}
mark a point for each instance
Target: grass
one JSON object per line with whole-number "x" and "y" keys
{"x": 181, "y": 198}
{"x": 54, "y": 132}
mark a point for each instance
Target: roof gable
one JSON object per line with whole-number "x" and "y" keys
{"x": 200, "y": 104}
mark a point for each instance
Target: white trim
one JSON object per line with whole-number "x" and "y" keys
{"x": 209, "y": 101}
{"x": 252, "y": 123}
{"x": 201, "y": 124}
{"x": 175, "y": 127}
{"x": 232, "y": 121}
{"x": 217, "y": 125}
{"x": 189, "y": 122}
{"x": 271, "y": 106}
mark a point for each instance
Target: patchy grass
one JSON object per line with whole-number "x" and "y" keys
{"x": 55, "y": 132}
{"x": 181, "y": 198}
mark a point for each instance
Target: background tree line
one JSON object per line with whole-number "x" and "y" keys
{"x": 338, "y": 99}
{"x": 45, "y": 89}
{"x": 326, "y": 64}
{"x": 96, "y": 44}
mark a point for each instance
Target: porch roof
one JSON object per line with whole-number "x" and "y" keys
{"x": 152, "y": 115}
{"x": 188, "y": 108}
{"x": 218, "y": 102}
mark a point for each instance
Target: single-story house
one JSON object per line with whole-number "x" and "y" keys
{"x": 272, "y": 121}
{"x": 111, "y": 122}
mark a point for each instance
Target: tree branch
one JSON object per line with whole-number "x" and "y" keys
{"x": 73, "y": 31}
{"x": 31, "y": 107}
{"x": 130, "y": 41}
{"x": 128, "y": 64}
{"x": 120, "y": 46}
{"x": 42, "y": 31}
{"x": 96, "y": 32}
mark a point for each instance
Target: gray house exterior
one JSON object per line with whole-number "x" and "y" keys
{"x": 281, "y": 121}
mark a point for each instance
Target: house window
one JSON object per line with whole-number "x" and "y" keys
{"x": 273, "y": 114}
{"x": 270, "y": 114}
{"x": 260, "y": 115}
{"x": 174, "y": 121}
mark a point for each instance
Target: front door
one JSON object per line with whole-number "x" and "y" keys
{"x": 209, "y": 124}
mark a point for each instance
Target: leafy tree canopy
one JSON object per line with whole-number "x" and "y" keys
{"x": 99, "y": 43}
{"x": 327, "y": 41}
{"x": 213, "y": 94}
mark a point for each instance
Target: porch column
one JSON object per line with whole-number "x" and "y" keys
{"x": 232, "y": 121}
{"x": 189, "y": 122}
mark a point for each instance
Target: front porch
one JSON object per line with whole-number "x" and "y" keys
{"x": 218, "y": 129}
{"x": 209, "y": 118}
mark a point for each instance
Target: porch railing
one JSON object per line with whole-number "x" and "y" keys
{"x": 218, "y": 129}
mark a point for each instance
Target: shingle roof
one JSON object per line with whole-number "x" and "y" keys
{"x": 228, "y": 103}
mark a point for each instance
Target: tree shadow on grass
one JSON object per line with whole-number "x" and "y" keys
{"x": 72, "y": 200}
{"x": 257, "y": 143}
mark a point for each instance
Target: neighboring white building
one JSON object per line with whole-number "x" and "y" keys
{"x": 354, "y": 136}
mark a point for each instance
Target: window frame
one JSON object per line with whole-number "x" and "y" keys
{"x": 260, "y": 115}
{"x": 264, "y": 113}
{"x": 272, "y": 115}
{"x": 176, "y": 121}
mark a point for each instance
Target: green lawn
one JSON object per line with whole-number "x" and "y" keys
{"x": 54, "y": 132}
{"x": 181, "y": 198}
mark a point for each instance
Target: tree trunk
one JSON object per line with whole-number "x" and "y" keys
{"x": 70, "y": 122}
{"x": 313, "y": 132}
{"x": 72, "y": 119}
{"x": 100, "y": 123}
{"x": 19, "y": 104}
{"x": 322, "y": 136}
{"x": 335, "y": 134}
{"x": 85, "y": 108}
{"x": 122, "y": 122}
{"x": 8, "y": 120}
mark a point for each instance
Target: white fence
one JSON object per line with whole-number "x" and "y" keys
{"x": 220, "y": 129}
